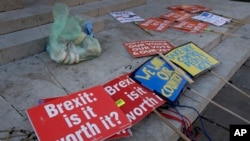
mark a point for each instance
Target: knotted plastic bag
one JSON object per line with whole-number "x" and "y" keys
{"x": 68, "y": 43}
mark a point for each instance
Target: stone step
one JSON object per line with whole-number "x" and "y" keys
{"x": 39, "y": 14}
{"x": 71, "y": 3}
{"x": 26, "y": 42}
{"x": 7, "y": 5}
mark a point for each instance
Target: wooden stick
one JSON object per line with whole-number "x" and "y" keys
{"x": 172, "y": 126}
{"x": 177, "y": 69}
{"x": 149, "y": 33}
{"x": 229, "y": 34}
{"x": 221, "y": 107}
{"x": 233, "y": 86}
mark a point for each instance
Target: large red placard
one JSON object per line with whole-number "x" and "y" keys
{"x": 190, "y": 26}
{"x": 86, "y": 115}
{"x": 134, "y": 100}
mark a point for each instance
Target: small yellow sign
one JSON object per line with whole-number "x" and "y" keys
{"x": 120, "y": 102}
{"x": 191, "y": 58}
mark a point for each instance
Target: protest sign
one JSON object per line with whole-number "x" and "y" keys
{"x": 190, "y": 26}
{"x": 212, "y": 18}
{"x": 148, "y": 47}
{"x": 122, "y": 134}
{"x": 176, "y": 16}
{"x": 86, "y": 115}
{"x": 126, "y": 16}
{"x": 191, "y": 58}
{"x": 159, "y": 77}
{"x": 133, "y": 99}
{"x": 189, "y": 8}
{"x": 156, "y": 24}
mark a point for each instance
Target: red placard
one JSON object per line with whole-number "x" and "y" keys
{"x": 156, "y": 24}
{"x": 122, "y": 134}
{"x": 190, "y": 8}
{"x": 148, "y": 47}
{"x": 190, "y": 26}
{"x": 177, "y": 16}
{"x": 134, "y": 100}
{"x": 87, "y": 115}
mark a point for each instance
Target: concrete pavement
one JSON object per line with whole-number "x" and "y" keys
{"x": 217, "y": 121}
{"x": 25, "y": 81}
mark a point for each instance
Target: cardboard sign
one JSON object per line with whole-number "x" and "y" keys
{"x": 176, "y": 16}
{"x": 190, "y": 26}
{"x": 133, "y": 99}
{"x": 86, "y": 115}
{"x": 126, "y": 16}
{"x": 122, "y": 134}
{"x": 156, "y": 24}
{"x": 148, "y": 47}
{"x": 189, "y": 8}
{"x": 160, "y": 77}
{"x": 191, "y": 58}
{"x": 212, "y": 18}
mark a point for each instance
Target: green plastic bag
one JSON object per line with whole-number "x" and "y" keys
{"x": 68, "y": 44}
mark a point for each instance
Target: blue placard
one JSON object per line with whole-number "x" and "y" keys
{"x": 159, "y": 77}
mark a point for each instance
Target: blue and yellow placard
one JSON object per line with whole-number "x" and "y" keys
{"x": 159, "y": 77}
{"x": 192, "y": 59}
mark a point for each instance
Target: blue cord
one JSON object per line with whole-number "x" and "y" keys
{"x": 201, "y": 121}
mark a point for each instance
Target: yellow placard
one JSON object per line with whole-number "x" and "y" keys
{"x": 191, "y": 58}
{"x": 120, "y": 102}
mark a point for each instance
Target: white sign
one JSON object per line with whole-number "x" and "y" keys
{"x": 126, "y": 16}
{"x": 212, "y": 18}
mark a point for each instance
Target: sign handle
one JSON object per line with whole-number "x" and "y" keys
{"x": 219, "y": 106}
{"x": 177, "y": 69}
{"x": 229, "y": 34}
{"x": 233, "y": 86}
{"x": 149, "y": 33}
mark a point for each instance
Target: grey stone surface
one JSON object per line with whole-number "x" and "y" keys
{"x": 40, "y": 13}
{"x": 7, "y": 5}
{"x": 25, "y": 18}
{"x": 25, "y": 81}
{"x": 231, "y": 99}
{"x": 15, "y": 46}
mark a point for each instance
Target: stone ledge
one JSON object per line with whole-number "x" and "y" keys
{"x": 42, "y": 14}
{"x": 7, "y": 5}
{"x": 16, "y": 46}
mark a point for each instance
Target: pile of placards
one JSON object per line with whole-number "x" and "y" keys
{"x": 108, "y": 111}
{"x": 188, "y": 18}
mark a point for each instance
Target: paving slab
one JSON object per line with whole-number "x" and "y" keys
{"x": 247, "y": 63}
{"x": 10, "y": 117}
{"x": 219, "y": 120}
{"x": 242, "y": 74}
{"x": 38, "y": 76}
